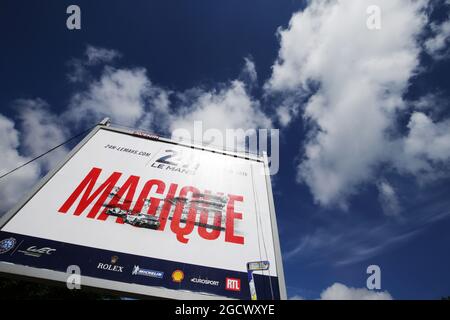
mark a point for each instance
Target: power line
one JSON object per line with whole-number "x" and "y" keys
{"x": 48, "y": 151}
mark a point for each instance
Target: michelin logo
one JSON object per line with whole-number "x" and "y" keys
{"x": 138, "y": 271}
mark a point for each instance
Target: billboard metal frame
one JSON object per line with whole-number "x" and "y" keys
{"x": 132, "y": 289}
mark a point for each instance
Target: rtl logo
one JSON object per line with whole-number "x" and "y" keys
{"x": 233, "y": 284}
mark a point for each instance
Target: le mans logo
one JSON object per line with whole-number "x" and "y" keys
{"x": 177, "y": 276}
{"x": 7, "y": 244}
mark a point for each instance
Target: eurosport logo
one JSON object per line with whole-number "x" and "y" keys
{"x": 205, "y": 282}
{"x": 7, "y": 244}
{"x": 233, "y": 284}
{"x": 138, "y": 271}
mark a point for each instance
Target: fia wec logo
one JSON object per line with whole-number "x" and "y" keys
{"x": 34, "y": 251}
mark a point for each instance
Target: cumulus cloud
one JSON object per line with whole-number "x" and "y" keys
{"x": 284, "y": 115}
{"x": 288, "y": 108}
{"x": 427, "y": 138}
{"x": 437, "y": 45}
{"x": 230, "y": 107}
{"x": 388, "y": 199}
{"x": 40, "y": 131}
{"x": 126, "y": 95}
{"x": 96, "y": 55}
{"x": 433, "y": 104}
{"x": 93, "y": 56}
{"x": 119, "y": 94}
{"x": 35, "y": 131}
{"x": 339, "y": 291}
{"x": 14, "y": 185}
{"x": 207, "y": 115}
{"x": 356, "y": 79}
{"x": 426, "y": 148}
{"x": 249, "y": 74}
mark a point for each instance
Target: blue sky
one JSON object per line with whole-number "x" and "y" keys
{"x": 363, "y": 115}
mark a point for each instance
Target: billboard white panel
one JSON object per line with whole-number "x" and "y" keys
{"x": 150, "y": 212}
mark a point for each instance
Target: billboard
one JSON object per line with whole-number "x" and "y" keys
{"x": 135, "y": 213}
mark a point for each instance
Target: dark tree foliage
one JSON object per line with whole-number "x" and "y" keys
{"x": 26, "y": 290}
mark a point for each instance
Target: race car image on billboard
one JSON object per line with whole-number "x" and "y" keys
{"x": 213, "y": 205}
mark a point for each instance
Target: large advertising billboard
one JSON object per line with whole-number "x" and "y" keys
{"x": 143, "y": 215}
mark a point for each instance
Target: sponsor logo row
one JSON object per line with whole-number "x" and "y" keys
{"x": 231, "y": 284}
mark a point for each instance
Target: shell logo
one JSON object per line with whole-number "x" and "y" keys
{"x": 177, "y": 276}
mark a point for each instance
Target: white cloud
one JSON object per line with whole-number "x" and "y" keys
{"x": 227, "y": 106}
{"x": 125, "y": 95}
{"x": 78, "y": 71}
{"x": 40, "y": 130}
{"x": 288, "y": 109}
{"x": 119, "y": 94}
{"x": 93, "y": 56}
{"x": 157, "y": 113}
{"x": 433, "y": 103}
{"x": 428, "y": 139}
{"x": 249, "y": 71}
{"x": 426, "y": 147}
{"x": 356, "y": 78}
{"x": 284, "y": 115}
{"x": 230, "y": 107}
{"x": 14, "y": 185}
{"x": 388, "y": 199}
{"x": 437, "y": 46}
{"x": 96, "y": 55}
{"x": 339, "y": 291}
{"x": 36, "y": 131}
{"x": 296, "y": 297}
